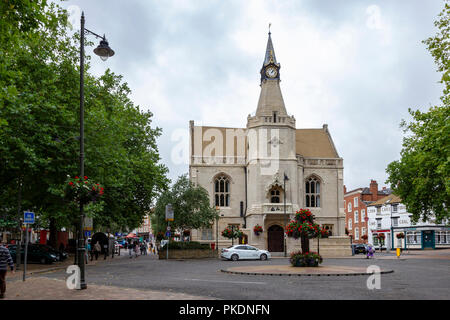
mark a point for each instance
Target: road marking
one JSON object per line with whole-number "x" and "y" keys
{"x": 224, "y": 281}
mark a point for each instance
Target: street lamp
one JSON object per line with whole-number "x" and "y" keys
{"x": 104, "y": 51}
{"x": 285, "y": 222}
{"x": 217, "y": 228}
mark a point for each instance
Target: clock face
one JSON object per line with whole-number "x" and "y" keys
{"x": 271, "y": 72}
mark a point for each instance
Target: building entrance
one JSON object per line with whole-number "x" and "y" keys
{"x": 275, "y": 238}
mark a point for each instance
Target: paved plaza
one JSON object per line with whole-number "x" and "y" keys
{"x": 416, "y": 275}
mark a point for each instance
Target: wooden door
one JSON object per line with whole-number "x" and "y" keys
{"x": 275, "y": 237}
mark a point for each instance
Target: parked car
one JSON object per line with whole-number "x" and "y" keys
{"x": 360, "y": 248}
{"x": 244, "y": 251}
{"x": 34, "y": 254}
{"x": 61, "y": 256}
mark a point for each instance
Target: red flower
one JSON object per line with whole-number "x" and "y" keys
{"x": 71, "y": 183}
{"x": 76, "y": 177}
{"x": 85, "y": 177}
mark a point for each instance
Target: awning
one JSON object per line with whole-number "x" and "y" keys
{"x": 131, "y": 235}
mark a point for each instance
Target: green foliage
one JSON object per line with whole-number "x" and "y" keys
{"x": 176, "y": 245}
{"x": 39, "y": 126}
{"x": 191, "y": 206}
{"x": 422, "y": 176}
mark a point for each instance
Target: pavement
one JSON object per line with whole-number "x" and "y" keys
{"x": 147, "y": 278}
{"x": 42, "y": 288}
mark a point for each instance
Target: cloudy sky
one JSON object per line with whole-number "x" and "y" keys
{"x": 355, "y": 65}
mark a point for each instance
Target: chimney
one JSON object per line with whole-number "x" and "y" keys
{"x": 345, "y": 189}
{"x": 374, "y": 189}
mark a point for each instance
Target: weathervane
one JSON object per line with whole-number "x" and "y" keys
{"x": 269, "y": 27}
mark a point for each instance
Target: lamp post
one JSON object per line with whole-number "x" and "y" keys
{"x": 104, "y": 51}
{"x": 217, "y": 228}
{"x": 285, "y": 222}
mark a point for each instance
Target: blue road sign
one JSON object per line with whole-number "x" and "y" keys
{"x": 168, "y": 234}
{"x": 87, "y": 233}
{"x": 28, "y": 217}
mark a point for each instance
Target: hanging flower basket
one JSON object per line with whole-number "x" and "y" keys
{"x": 364, "y": 237}
{"x": 400, "y": 235}
{"x": 82, "y": 190}
{"x": 324, "y": 233}
{"x": 257, "y": 229}
{"x": 231, "y": 234}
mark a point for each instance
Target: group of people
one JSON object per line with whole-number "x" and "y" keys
{"x": 137, "y": 246}
{"x": 95, "y": 250}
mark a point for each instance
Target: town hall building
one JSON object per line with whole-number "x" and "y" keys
{"x": 264, "y": 173}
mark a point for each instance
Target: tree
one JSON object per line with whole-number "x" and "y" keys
{"x": 422, "y": 175}
{"x": 191, "y": 207}
{"x": 39, "y": 127}
{"x": 303, "y": 227}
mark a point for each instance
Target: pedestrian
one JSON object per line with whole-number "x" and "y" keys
{"x": 136, "y": 249}
{"x": 105, "y": 248}
{"x": 97, "y": 249}
{"x": 86, "y": 249}
{"x": 142, "y": 248}
{"x": 151, "y": 248}
{"x": 89, "y": 249}
{"x": 370, "y": 252}
{"x": 130, "y": 249}
{"x": 5, "y": 260}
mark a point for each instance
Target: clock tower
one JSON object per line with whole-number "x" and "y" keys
{"x": 270, "y": 69}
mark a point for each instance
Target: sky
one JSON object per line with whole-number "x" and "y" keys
{"x": 355, "y": 65}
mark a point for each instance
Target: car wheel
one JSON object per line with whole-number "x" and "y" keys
{"x": 263, "y": 257}
{"x": 235, "y": 257}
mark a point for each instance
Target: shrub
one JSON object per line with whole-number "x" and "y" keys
{"x": 176, "y": 245}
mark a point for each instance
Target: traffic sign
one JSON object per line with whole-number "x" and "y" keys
{"x": 87, "y": 233}
{"x": 169, "y": 212}
{"x": 28, "y": 217}
{"x": 168, "y": 228}
{"x": 168, "y": 234}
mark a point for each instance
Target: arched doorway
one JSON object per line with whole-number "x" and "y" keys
{"x": 275, "y": 239}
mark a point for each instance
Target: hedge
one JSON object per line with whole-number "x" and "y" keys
{"x": 176, "y": 245}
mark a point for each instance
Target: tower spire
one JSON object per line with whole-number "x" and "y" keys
{"x": 270, "y": 52}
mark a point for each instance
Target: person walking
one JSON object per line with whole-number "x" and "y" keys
{"x": 136, "y": 249}
{"x": 5, "y": 260}
{"x": 89, "y": 250}
{"x": 142, "y": 248}
{"x": 130, "y": 249}
{"x": 97, "y": 249}
{"x": 105, "y": 248}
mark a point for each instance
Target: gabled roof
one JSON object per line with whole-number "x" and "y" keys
{"x": 314, "y": 143}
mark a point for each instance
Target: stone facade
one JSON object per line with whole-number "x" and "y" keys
{"x": 262, "y": 174}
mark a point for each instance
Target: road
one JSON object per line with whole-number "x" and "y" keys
{"x": 421, "y": 276}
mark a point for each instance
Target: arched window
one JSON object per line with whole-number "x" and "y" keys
{"x": 222, "y": 191}
{"x": 312, "y": 191}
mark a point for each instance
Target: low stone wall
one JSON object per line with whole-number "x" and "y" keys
{"x": 332, "y": 247}
{"x": 188, "y": 254}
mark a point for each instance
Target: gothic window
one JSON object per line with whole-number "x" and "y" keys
{"x": 275, "y": 196}
{"x": 312, "y": 191}
{"x": 222, "y": 191}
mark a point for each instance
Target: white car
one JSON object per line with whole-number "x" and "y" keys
{"x": 244, "y": 251}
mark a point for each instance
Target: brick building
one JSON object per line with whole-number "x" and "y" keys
{"x": 355, "y": 207}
